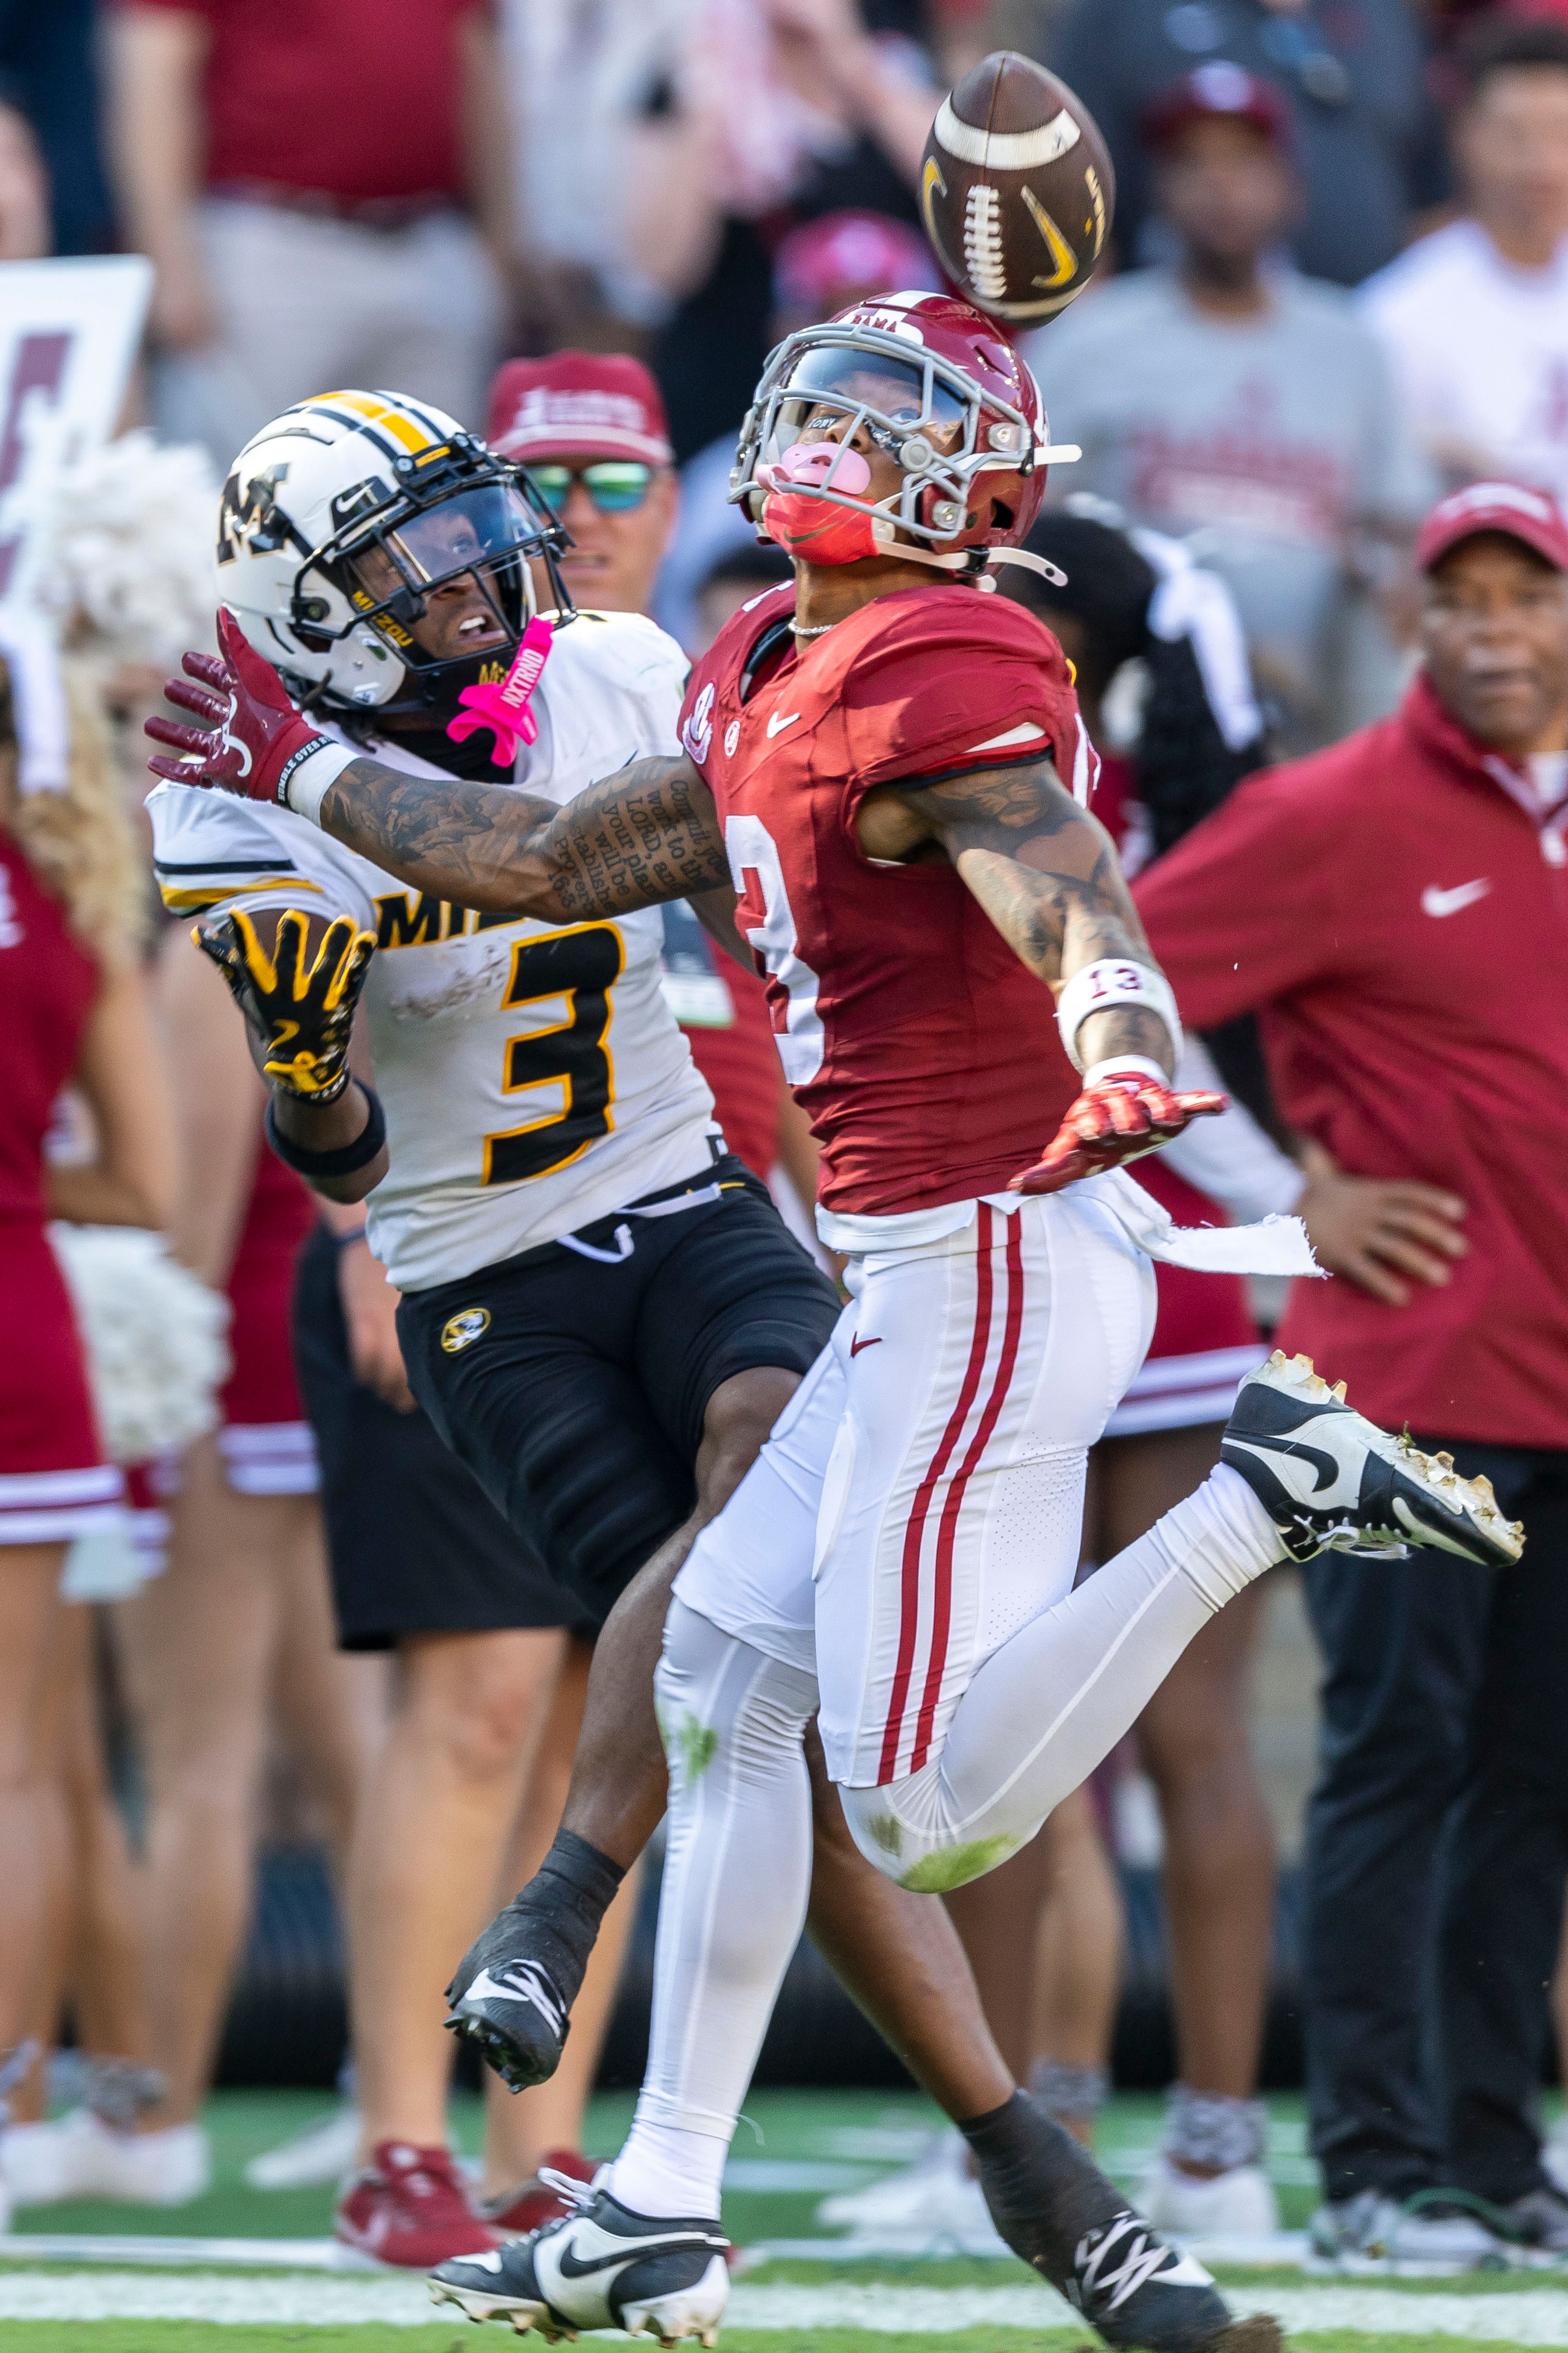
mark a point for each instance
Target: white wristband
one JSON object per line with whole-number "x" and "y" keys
{"x": 303, "y": 781}
{"x": 1114, "y": 981}
{"x": 1126, "y": 1066}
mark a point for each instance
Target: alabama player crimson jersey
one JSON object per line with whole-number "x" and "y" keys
{"x": 925, "y": 1054}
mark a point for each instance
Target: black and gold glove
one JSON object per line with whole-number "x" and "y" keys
{"x": 303, "y": 1012}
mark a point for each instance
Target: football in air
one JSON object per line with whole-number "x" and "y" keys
{"x": 1017, "y": 189}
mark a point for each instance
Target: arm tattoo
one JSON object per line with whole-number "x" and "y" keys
{"x": 1046, "y": 873}
{"x": 647, "y": 834}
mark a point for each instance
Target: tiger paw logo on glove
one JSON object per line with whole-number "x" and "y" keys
{"x": 301, "y": 1006}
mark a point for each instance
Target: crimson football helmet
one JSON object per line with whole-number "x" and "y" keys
{"x": 928, "y": 380}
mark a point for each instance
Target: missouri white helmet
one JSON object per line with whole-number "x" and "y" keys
{"x": 338, "y": 520}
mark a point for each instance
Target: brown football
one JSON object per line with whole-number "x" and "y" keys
{"x": 1017, "y": 189}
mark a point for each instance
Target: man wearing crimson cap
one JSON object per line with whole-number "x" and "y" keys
{"x": 1391, "y": 909}
{"x": 590, "y": 428}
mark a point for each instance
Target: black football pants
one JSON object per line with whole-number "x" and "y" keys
{"x": 1437, "y": 1850}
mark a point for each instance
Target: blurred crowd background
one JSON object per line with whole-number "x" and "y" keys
{"x": 1339, "y": 289}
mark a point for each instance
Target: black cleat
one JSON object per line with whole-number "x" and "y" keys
{"x": 1331, "y": 1481}
{"x": 1058, "y": 2212}
{"x": 600, "y": 2266}
{"x": 515, "y": 1986}
{"x": 505, "y": 2000}
{"x": 1136, "y": 2290}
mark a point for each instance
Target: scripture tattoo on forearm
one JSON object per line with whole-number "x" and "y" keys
{"x": 647, "y": 834}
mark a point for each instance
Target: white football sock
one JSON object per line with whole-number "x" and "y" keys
{"x": 737, "y": 1873}
{"x": 1055, "y": 1699}
{"x": 665, "y": 2171}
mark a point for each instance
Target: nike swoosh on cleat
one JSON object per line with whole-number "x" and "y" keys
{"x": 1327, "y": 1469}
{"x": 572, "y": 2268}
{"x": 528, "y": 1988}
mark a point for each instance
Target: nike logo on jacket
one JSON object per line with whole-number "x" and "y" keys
{"x": 1435, "y": 902}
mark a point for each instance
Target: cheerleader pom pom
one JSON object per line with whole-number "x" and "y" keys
{"x": 154, "y": 1337}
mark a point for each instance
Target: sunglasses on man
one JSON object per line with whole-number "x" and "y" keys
{"x": 616, "y": 485}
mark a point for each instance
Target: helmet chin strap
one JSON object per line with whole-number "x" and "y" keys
{"x": 1031, "y": 563}
{"x": 961, "y": 559}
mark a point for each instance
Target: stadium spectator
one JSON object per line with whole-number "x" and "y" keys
{"x": 1225, "y": 398}
{"x": 53, "y": 198}
{"x": 326, "y": 200}
{"x": 591, "y": 430}
{"x": 1367, "y": 137}
{"x": 820, "y": 267}
{"x": 70, "y": 908}
{"x": 1474, "y": 319}
{"x": 586, "y": 79}
{"x": 1376, "y": 905}
{"x": 774, "y": 112}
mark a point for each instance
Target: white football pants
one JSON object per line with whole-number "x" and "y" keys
{"x": 901, "y": 1559}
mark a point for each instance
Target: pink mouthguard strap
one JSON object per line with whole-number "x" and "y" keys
{"x": 808, "y": 464}
{"x": 504, "y": 708}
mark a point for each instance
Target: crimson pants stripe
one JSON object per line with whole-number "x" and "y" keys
{"x": 947, "y": 1529}
{"x": 914, "y": 1532}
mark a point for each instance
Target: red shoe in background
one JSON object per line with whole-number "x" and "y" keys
{"x": 534, "y": 2202}
{"x": 408, "y": 2207}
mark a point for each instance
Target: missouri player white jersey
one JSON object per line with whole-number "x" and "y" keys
{"x": 532, "y": 1075}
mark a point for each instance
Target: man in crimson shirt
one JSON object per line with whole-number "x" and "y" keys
{"x": 322, "y": 186}
{"x": 1393, "y": 909}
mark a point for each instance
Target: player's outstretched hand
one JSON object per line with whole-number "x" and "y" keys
{"x": 1115, "y": 1120}
{"x": 250, "y": 737}
{"x": 301, "y": 1006}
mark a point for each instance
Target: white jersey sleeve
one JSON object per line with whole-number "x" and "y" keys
{"x": 212, "y": 850}
{"x": 532, "y": 1075}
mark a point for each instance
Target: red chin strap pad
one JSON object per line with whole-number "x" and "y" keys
{"x": 817, "y": 530}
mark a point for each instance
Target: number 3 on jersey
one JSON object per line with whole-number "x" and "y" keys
{"x": 579, "y": 966}
{"x": 766, "y": 919}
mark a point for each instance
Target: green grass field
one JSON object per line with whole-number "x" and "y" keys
{"x": 852, "y": 2130}
{"x": 794, "y": 2148}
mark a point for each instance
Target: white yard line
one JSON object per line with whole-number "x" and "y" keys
{"x": 165, "y": 2253}
{"x": 1527, "y": 2316}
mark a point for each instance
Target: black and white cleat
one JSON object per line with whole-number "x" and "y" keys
{"x": 1061, "y": 2216}
{"x": 597, "y": 2267}
{"x": 507, "y": 1997}
{"x": 1331, "y": 1481}
{"x": 1136, "y": 2290}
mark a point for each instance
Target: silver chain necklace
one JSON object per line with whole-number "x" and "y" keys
{"x": 821, "y": 631}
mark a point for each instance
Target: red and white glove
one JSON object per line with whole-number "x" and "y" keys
{"x": 1117, "y": 1118}
{"x": 252, "y": 741}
